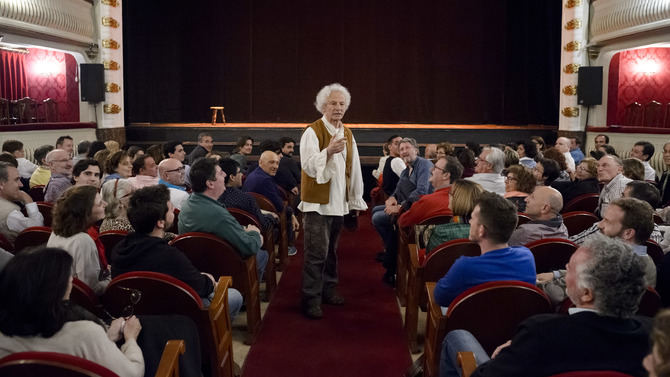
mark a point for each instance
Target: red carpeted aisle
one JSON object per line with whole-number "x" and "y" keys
{"x": 362, "y": 338}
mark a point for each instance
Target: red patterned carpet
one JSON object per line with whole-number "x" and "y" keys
{"x": 362, "y": 338}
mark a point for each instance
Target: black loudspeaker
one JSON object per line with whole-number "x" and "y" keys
{"x": 590, "y": 86}
{"x": 92, "y": 79}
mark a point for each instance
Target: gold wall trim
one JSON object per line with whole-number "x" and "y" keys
{"x": 111, "y": 3}
{"x": 571, "y": 68}
{"x": 570, "y": 90}
{"x": 111, "y": 65}
{"x": 573, "y": 24}
{"x": 112, "y": 87}
{"x": 111, "y": 109}
{"x": 571, "y": 112}
{"x": 572, "y": 3}
{"x": 571, "y": 46}
{"x": 110, "y": 43}
{"x": 110, "y": 21}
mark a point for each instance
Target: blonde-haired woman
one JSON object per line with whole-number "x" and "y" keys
{"x": 462, "y": 198}
{"x": 117, "y": 194}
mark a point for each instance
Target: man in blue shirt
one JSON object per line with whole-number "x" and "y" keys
{"x": 576, "y": 150}
{"x": 491, "y": 225}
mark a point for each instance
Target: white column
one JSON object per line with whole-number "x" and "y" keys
{"x": 573, "y": 55}
{"x": 111, "y": 49}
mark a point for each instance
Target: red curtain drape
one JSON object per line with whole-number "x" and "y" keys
{"x": 13, "y": 78}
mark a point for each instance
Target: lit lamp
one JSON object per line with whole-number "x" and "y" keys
{"x": 647, "y": 67}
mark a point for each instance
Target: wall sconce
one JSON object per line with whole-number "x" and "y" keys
{"x": 92, "y": 51}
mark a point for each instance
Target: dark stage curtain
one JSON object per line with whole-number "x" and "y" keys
{"x": 475, "y": 62}
{"x": 13, "y": 79}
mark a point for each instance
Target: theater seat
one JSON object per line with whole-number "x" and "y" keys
{"x": 84, "y": 296}
{"x": 46, "y": 209}
{"x": 109, "y": 240}
{"x": 551, "y": 253}
{"x": 655, "y": 251}
{"x": 584, "y": 202}
{"x": 266, "y": 205}
{"x": 578, "y": 221}
{"x": 32, "y": 237}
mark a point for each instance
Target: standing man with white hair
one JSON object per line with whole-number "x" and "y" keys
{"x": 331, "y": 187}
{"x": 490, "y": 164}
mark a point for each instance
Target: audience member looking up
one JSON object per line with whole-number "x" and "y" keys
{"x": 12, "y": 220}
{"x": 610, "y": 173}
{"x": 42, "y": 174}
{"x": 519, "y": 183}
{"x": 60, "y": 164}
{"x": 543, "y": 207}
{"x": 15, "y": 147}
{"x": 527, "y": 151}
{"x": 487, "y": 172}
{"x": 644, "y": 151}
{"x": 172, "y": 172}
{"x": 205, "y": 145}
{"x": 585, "y": 181}
{"x": 118, "y": 165}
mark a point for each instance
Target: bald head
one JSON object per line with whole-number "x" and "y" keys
{"x": 171, "y": 170}
{"x": 59, "y": 162}
{"x": 269, "y": 162}
{"x": 544, "y": 203}
{"x": 563, "y": 144}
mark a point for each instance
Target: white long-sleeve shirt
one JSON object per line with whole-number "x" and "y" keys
{"x": 26, "y": 168}
{"x": 316, "y": 164}
{"x": 86, "y": 265}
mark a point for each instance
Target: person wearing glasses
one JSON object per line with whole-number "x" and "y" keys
{"x": 60, "y": 164}
{"x": 586, "y": 181}
{"x": 172, "y": 172}
{"x": 543, "y": 207}
{"x": 519, "y": 183}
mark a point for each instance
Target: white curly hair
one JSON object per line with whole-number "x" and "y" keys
{"x": 324, "y": 93}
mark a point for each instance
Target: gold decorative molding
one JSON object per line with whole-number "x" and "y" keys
{"x": 571, "y": 46}
{"x": 571, "y": 112}
{"x": 111, "y": 109}
{"x": 568, "y": 4}
{"x": 573, "y": 24}
{"x": 571, "y": 68}
{"x": 112, "y": 87}
{"x": 111, "y": 3}
{"x": 110, "y": 43}
{"x": 111, "y": 65}
{"x": 110, "y": 21}
{"x": 570, "y": 90}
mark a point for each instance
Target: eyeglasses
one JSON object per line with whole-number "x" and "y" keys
{"x": 437, "y": 167}
{"x": 508, "y": 178}
{"x": 177, "y": 169}
{"x": 134, "y": 296}
{"x": 64, "y": 160}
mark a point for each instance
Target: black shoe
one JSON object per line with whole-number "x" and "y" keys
{"x": 389, "y": 279}
{"x": 333, "y": 300}
{"x": 380, "y": 257}
{"x": 312, "y": 312}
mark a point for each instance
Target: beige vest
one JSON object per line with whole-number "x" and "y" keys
{"x": 313, "y": 192}
{"x": 6, "y": 207}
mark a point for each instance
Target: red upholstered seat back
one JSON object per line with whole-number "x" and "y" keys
{"x": 551, "y": 253}
{"x": 52, "y": 364}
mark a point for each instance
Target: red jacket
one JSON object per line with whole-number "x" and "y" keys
{"x": 430, "y": 205}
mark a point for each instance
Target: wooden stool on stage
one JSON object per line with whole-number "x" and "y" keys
{"x": 215, "y": 112}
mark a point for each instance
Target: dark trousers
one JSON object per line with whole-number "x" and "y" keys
{"x": 319, "y": 270}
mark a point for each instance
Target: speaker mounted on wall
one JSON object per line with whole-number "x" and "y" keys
{"x": 590, "y": 86}
{"x": 92, "y": 80}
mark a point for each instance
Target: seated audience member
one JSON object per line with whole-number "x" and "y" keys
{"x": 610, "y": 173}
{"x": 657, "y": 362}
{"x": 563, "y": 146}
{"x": 585, "y": 181}
{"x": 601, "y": 139}
{"x": 82, "y": 150}
{"x": 377, "y": 173}
{"x": 205, "y": 145}
{"x": 42, "y": 174}
{"x": 9, "y": 158}
{"x": 5, "y": 256}
{"x": 445, "y": 171}
{"x": 175, "y": 149}
{"x": 540, "y": 145}
{"x": 430, "y": 152}
{"x": 462, "y": 198}
{"x": 393, "y": 167}
{"x": 467, "y": 159}
{"x": 135, "y": 151}
{"x": 527, "y": 151}
{"x": 444, "y": 149}
{"x": 644, "y": 151}
{"x": 102, "y": 156}
{"x": 203, "y": 213}
{"x": 474, "y": 147}
{"x": 543, "y": 207}
{"x": 413, "y": 182}
{"x": 233, "y": 197}
{"x": 487, "y": 172}
{"x": 633, "y": 169}
{"x": 156, "y": 152}
{"x": 288, "y": 173}
{"x": 15, "y": 147}
{"x": 12, "y": 220}
{"x": 243, "y": 148}
{"x": 546, "y": 171}
{"x": 94, "y": 148}
{"x": 556, "y": 155}
{"x": 117, "y": 166}
{"x": 511, "y": 157}
{"x": 112, "y": 145}
{"x": 663, "y": 182}
{"x": 116, "y": 194}
{"x": 75, "y": 211}
{"x": 493, "y": 221}
{"x": 601, "y": 333}
{"x": 60, "y": 165}
{"x": 519, "y": 183}
{"x": 151, "y": 213}
{"x": 576, "y": 150}
{"x": 67, "y": 144}
{"x": 35, "y": 315}
{"x": 606, "y": 149}
{"x": 172, "y": 174}
{"x": 86, "y": 172}
{"x": 145, "y": 172}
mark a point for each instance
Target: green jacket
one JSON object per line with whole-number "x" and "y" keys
{"x": 203, "y": 214}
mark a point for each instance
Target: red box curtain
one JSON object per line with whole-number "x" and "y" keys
{"x": 13, "y": 78}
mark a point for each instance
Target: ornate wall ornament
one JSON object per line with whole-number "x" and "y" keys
{"x": 571, "y": 111}
{"x": 573, "y": 24}
{"x": 111, "y": 3}
{"x": 571, "y": 46}
{"x": 111, "y": 65}
{"x": 573, "y": 3}
{"x": 110, "y": 43}
{"x": 110, "y": 21}
{"x": 571, "y": 68}
{"x": 570, "y": 90}
{"x": 111, "y": 109}
{"x": 112, "y": 87}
